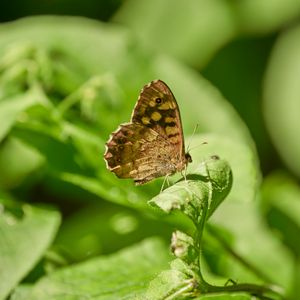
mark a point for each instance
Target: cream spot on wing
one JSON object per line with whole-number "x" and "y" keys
{"x": 156, "y": 116}
{"x": 173, "y": 139}
{"x": 172, "y": 104}
{"x": 146, "y": 120}
{"x": 169, "y": 119}
{"x": 165, "y": 106}
{"x": 152, "y": 103}
{"x": 171, "y": 130}
{"x": 133, "y": 172}
{"x": 149, "y": 136}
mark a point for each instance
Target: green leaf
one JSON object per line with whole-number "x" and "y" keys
{"x": 109, "y": 43}
{"x": 295, "y": 289}
{"x": 11, "y": 108}
{"x": 208, "y": 23}
{"x": 240, "y": 158}
{"x": 116, "y": 194}
{"x": 183, "y": 247}
{"x": 243, "y": 221}
{"x": 17, "y": 162}
{"x": 227, "y": 296}
{"x": 280, "y": 201}
{"x": 176, "y": 283}
{"x": 214, "y": 254}
{"x": 102, "y": 229}
{"x": 261, "y": 17}
{"x": 21, "y": 292}
{"x": 23, "y": 241}
{"x": 208, "y": 185}
{"x": 281, "y": 82}
{"x": 50, "y": 145}
{"x": 87, "y": 143}
{"x": 202, "y": 27}
{"x": 123, "y": 275}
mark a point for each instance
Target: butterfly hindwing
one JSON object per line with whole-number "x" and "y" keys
{"x": 149, "y": 149}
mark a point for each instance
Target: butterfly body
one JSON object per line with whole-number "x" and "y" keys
{"x": 152, "y": 144}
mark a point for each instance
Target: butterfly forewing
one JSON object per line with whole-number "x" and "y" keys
{"x": 157, "y": 108}
{"x": 152, "y": 144}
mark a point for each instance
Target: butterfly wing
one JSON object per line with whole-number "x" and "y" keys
{"x": 157, "y": 109}
{"x": 152, "y": 144}
{"x": 138, "y": 152}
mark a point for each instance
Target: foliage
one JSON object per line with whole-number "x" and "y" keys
{"x": 69, "y": 229}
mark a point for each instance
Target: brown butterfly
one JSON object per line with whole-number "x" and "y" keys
{"x": 152, "y": 144}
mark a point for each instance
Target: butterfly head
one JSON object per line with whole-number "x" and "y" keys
{"x": 188, "y": 158}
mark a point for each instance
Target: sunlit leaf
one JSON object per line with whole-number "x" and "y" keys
{"x": 202, "y": 27}
{"x": 22, "y": 292}
{"x": 177, "y": 282}
{"x": 23, "y": 240}
{"x": 261, "y": 17}
{"x": 104, "y": 229}
{"x": 240, "y": 158}
{"x": 11, "y": 108}
{"x": 281, "y": 205}
{"x": 266, "y": 254}
{"x": 17, "y": 162}
{"x": 207, "y": 185}
{"x": 123, "y": 275}
{"x": 281, "y": 97}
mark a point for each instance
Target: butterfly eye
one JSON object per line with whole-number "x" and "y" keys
{"x": 188, "y": 157}
{"x": 158, "y": 100}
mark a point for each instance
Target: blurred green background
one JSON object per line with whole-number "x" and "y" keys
{"x": 236, "y": 65}
{"x": 70, "y": 73}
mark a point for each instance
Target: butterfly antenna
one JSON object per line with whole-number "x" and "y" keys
{"x": 190, "y": 139}
{"x": 204, "y": 143}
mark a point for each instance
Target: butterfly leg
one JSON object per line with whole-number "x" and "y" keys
{"x": 166, "y": 180}
{"x": 183, "y": 173}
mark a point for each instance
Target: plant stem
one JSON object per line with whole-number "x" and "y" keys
{"x": 236, "y": 256}
{"x": 246, "y": 287}
{"x": 253, "y": 289}
{"x": 199, "y": 224}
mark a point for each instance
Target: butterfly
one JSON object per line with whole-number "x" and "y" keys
{"x": 151, "y": 145}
